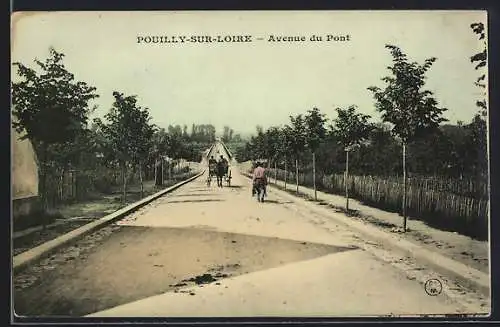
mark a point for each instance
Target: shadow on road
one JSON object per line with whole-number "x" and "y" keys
{"x": 194, "y": 201}
{"x": 194, "y": 194}
{"x": 277, "y": 202}
{"x": 123, "y": 265}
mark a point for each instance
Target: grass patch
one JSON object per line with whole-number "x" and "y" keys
{"x": 37, "y": 218}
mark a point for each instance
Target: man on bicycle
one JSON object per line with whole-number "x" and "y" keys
{"x": 259, "y": 178}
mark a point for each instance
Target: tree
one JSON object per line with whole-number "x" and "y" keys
{"x": 259, "y": 144}
{"x": 44, "y": 100}
{"x": 272, "y": 139}
{"x": 380, "y": 155}
{"x": 285, "y": 142}
{"x": 227, "y": 134}
{"x": 104, "y": 145}
{"x": 142, "y": 142}
{"x": 432, "y": 154}
{"x": 351, "y": 129}
{"x": 481, "y": 59}
{"x": 478, "y": 128}
{"x": 315, "y": 134}
{"x": 405, "y": 105}
{"x": 476, "y": 148}
{"x": 297, "y": 141}
{"x": 126, "y": 132}
{"x": 158, "y": 149}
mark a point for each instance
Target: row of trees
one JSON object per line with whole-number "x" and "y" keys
{"x": 228, "y": 136}
{"x": 411, "y": 120}
{"x": 52, "y": 109}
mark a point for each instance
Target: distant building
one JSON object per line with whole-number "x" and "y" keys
{"x": 24, "y": 183}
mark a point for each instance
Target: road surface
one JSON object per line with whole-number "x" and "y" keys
{"x": 210, "y": 251}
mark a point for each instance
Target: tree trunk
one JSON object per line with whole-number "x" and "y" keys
{"x": 43, "y": 180}
{"x": 297, "y": 175}
{"x": 42, "y": 187}
{"x": 275, "y": 174}
{"x": 78, "y": 188}
{"x": 156, "y": 172}
{"x": 140, "y": 179}
{"x": 162, "y": 172}
{"x": 314, "y": 177}
{"x": 346, "y": 180}
{"x": 404, "y": 186}
{"x": 61, "y": 185}
{"x": 75, "y": 178}
{"x": 124, "y": 182}
{"x": 286, "y": 172}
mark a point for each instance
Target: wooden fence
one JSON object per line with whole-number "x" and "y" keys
{"x": 455, "y": 204}
{"x": 73, "y": 185}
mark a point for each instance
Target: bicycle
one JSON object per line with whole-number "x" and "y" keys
{"x": 259, "y": 189}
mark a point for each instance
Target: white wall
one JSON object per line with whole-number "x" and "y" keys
{"x": 24, "y": 168}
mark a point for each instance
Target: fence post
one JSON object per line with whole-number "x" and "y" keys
{"x": 297, "y": 174}
{"x": 314, "y": 177}
{"x": 346, "y": 179}
{"x": 156, "y": 172}
{"x": 404, "y": 187}
{"x": 162, "y": 172}
{"x": 275, "y": 174}
{"x": 170, "y": 170}
{"x": 286, "y": 172}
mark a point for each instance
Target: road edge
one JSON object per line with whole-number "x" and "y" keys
{"x": 443, "y": 265}
{"x": 26, "y": 258}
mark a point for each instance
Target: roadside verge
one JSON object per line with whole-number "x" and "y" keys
{"x": 24, "y": 259}
{"x": 465, "y": 274}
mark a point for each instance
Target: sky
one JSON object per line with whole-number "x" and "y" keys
{"x": 245, "y": 84}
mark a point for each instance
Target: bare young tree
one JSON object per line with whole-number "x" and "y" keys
{"x": 405, "y": 105}
{"x": 315, "y": 135}
{"x": 350, "y": 129}
{"x": 297, "y": 141}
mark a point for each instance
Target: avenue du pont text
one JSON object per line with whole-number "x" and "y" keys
{"x": 153, "y": 39}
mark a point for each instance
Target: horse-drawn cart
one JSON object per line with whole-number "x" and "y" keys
{"x": 228, "y": 177}
{"x": 212, "y": 172}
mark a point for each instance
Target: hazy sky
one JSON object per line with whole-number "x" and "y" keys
{"x": 260, "y": 82}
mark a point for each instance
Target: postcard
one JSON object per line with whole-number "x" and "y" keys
{"x": 250, "y": 164}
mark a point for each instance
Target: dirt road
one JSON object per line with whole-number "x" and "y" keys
{"x": 210, "y": 251}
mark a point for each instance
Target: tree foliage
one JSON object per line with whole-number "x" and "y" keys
{"x": 228, "y": 134}
{"x": 50, "y": 98}
{"x": 297, "y": 135}
{"x": 351, "y": 128}
{"x": 481, "y": 60}
{"x": 51, "y": 109}
{"x": 315, "y": 130}
{"x": 273, "y": 142}
{"x": 403, "y": 103}
{"x": 123, "y": 122}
